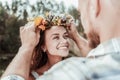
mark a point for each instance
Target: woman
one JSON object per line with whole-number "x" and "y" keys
{"x": 53, "y": 45}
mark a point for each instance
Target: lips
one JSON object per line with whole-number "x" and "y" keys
{"x": 63, "y": 47}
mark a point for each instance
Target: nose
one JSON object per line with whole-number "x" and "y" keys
{"x": 64, "y": 40}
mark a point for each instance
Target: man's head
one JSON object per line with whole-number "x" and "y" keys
{"x": 100, "y": 19}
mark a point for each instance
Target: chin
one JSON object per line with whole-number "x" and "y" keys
{"x": 64, "y": 53}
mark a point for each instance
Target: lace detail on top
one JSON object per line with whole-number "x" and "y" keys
{"x": 35, "y": 74}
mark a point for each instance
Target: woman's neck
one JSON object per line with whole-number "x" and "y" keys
{"x": 51, "y": 61}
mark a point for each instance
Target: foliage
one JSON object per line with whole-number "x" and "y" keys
{"x": 9, "y": 31}
{"x": 15, "y": 15}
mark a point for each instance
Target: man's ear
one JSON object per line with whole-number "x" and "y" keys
{"x": 94, "y": 8}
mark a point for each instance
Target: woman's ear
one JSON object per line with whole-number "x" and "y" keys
{"x": 94, "y": 8}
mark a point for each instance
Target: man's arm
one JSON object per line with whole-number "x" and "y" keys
{"x": 81, "y": 42}
{"x": 20, "y": 65}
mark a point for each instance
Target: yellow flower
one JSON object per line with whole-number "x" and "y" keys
{"x": 38, "y": 21}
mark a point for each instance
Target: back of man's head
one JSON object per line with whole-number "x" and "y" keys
{"x": 102, "y": 17}
{"x": 116, "y": 3}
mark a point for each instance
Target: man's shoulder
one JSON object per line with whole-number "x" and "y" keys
{"x": 80, "y": 68}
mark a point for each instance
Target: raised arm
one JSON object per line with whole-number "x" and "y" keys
{"x": 81, "y": 42}
{"x": 20, "y": 65}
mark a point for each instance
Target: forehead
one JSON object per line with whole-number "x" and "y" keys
{"x": 55, "y": 29}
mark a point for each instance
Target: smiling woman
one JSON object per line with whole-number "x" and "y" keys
{"x": 53, "y": 44}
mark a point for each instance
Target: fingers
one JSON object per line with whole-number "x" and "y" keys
{"x": 38, "y": 33}
{"x": 71, "y": 22}
{"x": 21, "y": 28}
{"x": 30, "y": 26}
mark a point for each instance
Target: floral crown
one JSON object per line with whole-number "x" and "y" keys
{"x": 52, "y": 20}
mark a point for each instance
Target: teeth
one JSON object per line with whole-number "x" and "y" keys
{"x": 63, "y": 48}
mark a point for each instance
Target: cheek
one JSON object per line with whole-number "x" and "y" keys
{"x": 51, "y": 47}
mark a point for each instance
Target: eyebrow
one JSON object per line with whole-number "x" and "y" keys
{"x": 58, "y": 33}
{"x": 54, "y": 34}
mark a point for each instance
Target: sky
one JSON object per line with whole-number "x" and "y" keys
{"x": 69, "y": 2}
{"x": 66, "y": 2}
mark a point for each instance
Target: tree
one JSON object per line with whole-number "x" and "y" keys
{"x": 9, "y": 30}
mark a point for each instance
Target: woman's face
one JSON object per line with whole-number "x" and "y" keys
{"x": 57, "y": 41}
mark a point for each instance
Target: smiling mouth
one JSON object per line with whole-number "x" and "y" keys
{"x": 64, "y": 47}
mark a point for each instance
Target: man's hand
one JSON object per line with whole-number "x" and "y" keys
{"x": 29, "y": 35}
{"x": 72, "y": 30}
{"x": 20, "y": 65}
{"x": 81, "y": 42}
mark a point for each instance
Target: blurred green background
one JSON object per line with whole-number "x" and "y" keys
{"x": 14, "y": 15}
